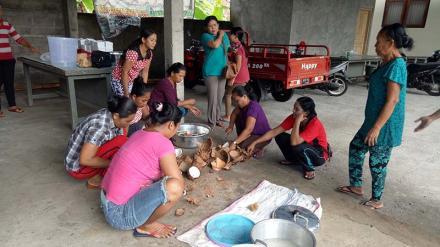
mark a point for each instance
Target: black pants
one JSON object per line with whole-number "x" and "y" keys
{"x": 7, "y": 70}
{"x": 304, "y": 154}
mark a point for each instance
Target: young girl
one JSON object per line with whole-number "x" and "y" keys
{"x": 140, "y": 94}
{"x": 134, "y": 62}
{"x": 7, "y": 62}
{"x": 144, "y": 182}
{"x": 241, "y": 59}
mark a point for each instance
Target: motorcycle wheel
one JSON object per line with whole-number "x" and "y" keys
{"x": 341, "y": 82}
{"x": 279, "y": 93}
{"x": 257, "y": 89}
{"x": 434, "y": 90}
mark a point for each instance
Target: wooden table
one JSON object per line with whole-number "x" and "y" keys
{"x": 71, "y": 75}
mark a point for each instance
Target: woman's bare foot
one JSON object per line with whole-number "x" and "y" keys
{"x": 15, "y": 109}
{"x": 225, "y": 118}
{"x": 309, "y": 175}
{"x": 373, "y": 204}
{"x": 351, "y": 190}
{"x": 1, "y": 114}
{"x": 94, "y": 182}
{"x": 157, "y": 230}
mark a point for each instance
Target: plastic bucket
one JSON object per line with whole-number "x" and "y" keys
{"x": 62, "y": 51}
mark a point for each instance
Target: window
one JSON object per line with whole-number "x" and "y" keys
{"x": 410, "y": 13}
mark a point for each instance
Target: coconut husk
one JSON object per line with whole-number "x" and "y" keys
{"x": 207, "y": 145}
{"x": 183, "y": 166}
{"x": 228, "y": 166}
{"x": 193, "y": 200}
{"x": 199, "y": 162}
{"x": 236, "y": 156}
{"x": 188, "y": 159}
{"x": 253, "y": 207}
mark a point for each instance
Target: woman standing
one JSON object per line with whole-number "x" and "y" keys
{"x": 166, "y": 92}
{"x": 144, "y": 182}
{"x": 241, "y": 60}
{"x": 306, "y": 144}
{"x": 249, "y": 119}
{"x": 216, "y": 45}
{"x": 7, "y": 62}
{"x": 384, "y": 115}
{"x": 134, "y": 62}
{"x": 96, "y": 139}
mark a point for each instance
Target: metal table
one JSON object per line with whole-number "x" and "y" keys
{"x": 71, "y": 75}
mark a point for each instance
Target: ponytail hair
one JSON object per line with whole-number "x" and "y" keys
{"x": 397, "y": 33}
{"x": 165, "y": 112}
{"x": 245, "y": 91}
{"x": 124, "y": 106}
{"x": 308, "y": 105}
{"x": 145, "y": 33}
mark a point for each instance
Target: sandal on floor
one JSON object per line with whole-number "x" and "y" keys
{"x": 285, "y": 162}
{"x": 309, "y": 177}
{"x": 16, "y": 110}
{"x": 348, "y": 190}
{"x": 373, "y": 204}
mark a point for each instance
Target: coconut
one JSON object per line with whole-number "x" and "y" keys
{"x": 193, "y": 172}
{"x": 218, "y": 164}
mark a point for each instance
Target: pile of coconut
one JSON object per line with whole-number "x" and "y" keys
{"x": 218, "y": 157}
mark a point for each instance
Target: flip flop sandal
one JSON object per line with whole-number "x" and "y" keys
{"x": 348, "y": 190}
{"x": 371, "y": 204}
{"x": 16, "y": 110}
{"x": 285, "y": 162}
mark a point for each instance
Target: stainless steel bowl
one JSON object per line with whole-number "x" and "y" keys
{"x": 279, "y": 232}
{"x": 199, "y": 134}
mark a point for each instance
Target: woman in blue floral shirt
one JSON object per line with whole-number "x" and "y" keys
{"x": 384, "y": 115}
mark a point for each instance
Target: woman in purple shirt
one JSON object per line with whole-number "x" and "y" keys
{"x": 165, "y": 91}
{"x": 249, "y": 119}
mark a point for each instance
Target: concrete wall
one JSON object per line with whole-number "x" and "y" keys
{"x": 426, "y": 39}
{"x": 331, "y": 23}
{"x": 34, "y": 20}
{"x": 266, "y": 21}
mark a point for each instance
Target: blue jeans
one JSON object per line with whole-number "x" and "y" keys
{"x": 183, "y": 110}
{"x": 136, "y": 211}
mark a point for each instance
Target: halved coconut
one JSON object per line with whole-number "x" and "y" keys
{"x": 218, "y": 164}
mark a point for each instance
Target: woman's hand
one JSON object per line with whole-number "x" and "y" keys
{"x": 194, "y": 110}
{"x": 229, "y": 130}
{"x": 299, "y": 117}
{"x": 424, "y": 122}
{"x": 251, "y": 148}
{"x": 373, "y": 134}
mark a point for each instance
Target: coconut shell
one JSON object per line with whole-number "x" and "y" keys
{"x": 218, "y": 164}
{"x": 234, "y": 154}
{"x": 199, "y": 162}
{"x": 228, "y": 166}
{"x": 188, "y": 159}
{"x": 179, "y": 212}
{"x": 205, "y": 155}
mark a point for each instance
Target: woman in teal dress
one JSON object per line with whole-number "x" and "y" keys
{"x": 384, "y": 115}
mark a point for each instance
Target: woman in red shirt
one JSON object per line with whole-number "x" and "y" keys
{"x": 306, "y": 144}
{"x": 134, "y": 62}
{"x": 241, "y": 59}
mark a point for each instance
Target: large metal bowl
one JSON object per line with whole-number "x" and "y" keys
{"x": 200, "y": 133}
{"x": 279, "y": 232}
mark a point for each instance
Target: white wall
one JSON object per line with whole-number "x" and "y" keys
{"x": 426, "y": 40}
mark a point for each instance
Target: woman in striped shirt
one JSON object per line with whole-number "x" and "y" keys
{"x": 7, "y": 61}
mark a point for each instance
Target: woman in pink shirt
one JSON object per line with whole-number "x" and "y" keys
{"x": 134, "y": 62}
{"x": 241, "y": 59}
{"x": 143, "y": 181}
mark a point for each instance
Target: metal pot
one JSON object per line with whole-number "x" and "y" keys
{"x": 300, "y": 215}
{"x": 280, "y": 233}
{"x": 198, "y": 133}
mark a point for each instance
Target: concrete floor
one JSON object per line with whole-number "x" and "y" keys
{"x": 41, "y": 206}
